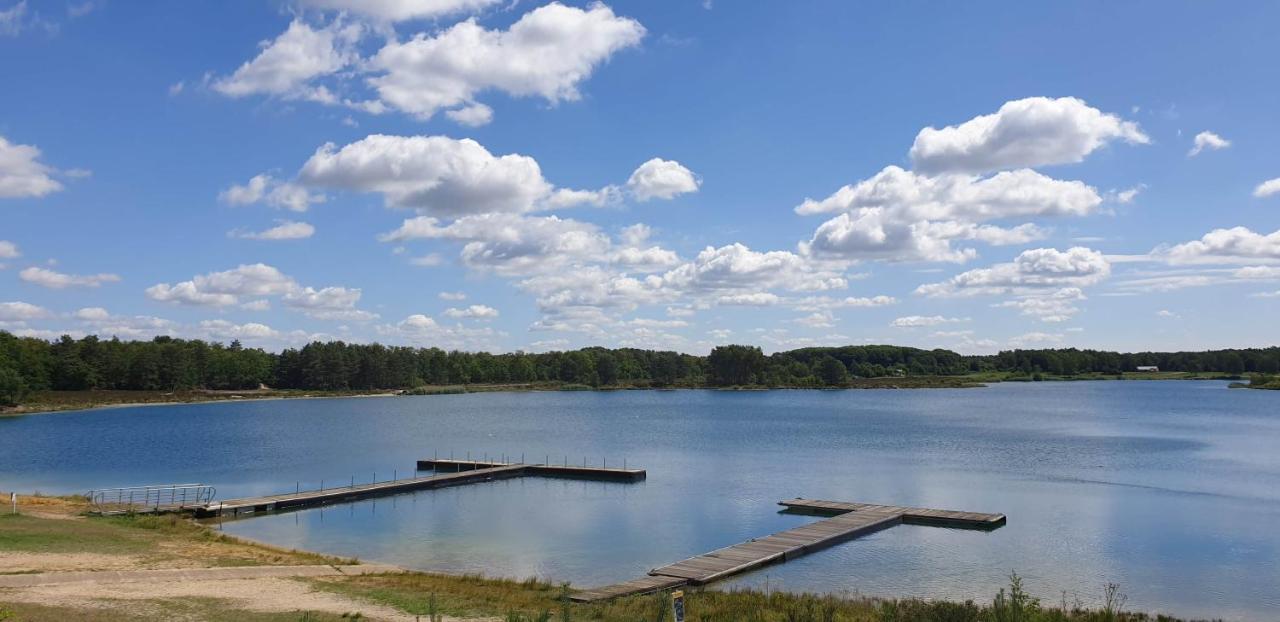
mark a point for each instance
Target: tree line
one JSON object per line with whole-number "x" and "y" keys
{"x": 167, "y": 364}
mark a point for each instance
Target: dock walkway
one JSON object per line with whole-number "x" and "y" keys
{"x": 447, "y": 473}
{"x": 850, "y": 520}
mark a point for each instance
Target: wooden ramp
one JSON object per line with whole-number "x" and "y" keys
{"x": 643, "y": 585}
{"x": 850, "y": 520}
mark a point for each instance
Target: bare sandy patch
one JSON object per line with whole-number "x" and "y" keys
{"x": 260, "y": 594}
{"x": 13, "y": 562}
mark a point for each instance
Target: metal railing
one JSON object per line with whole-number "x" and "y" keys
{"x": 150, "y": 498}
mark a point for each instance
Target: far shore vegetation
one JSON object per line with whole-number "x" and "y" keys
{"x": 53, "y": 534}
{"x": 1260, "y": 381}
{"x": 38, "y": 375}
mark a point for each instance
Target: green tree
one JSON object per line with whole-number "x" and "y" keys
{"x": 12, "y": 387}
{"x": 735, "y": 364}
{"x": 607, "y": 368}
{"x": 832, "y": 372}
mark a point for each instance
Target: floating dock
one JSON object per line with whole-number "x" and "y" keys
{"x": 447, "y": 473}
{"x": 573, "y": 471}
{"x": 847, "y": 521}
{"x": 910, "y": 515}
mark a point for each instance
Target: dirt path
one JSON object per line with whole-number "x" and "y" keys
{"x": 255, "y": 588}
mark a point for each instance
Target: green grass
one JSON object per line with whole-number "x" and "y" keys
{"x": 28, "y": 534}
{"x": 155, "y": 539}
{"x": 473, "y": 596}
{"x": 460, "y": 596}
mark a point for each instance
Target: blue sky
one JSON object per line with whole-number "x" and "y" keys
{"x": 485, "y": 174}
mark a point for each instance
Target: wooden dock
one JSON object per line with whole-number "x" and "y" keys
{"x": 573, "y": 471}
{"x": 910, "y": 516}
{"x": 446, "y": 473}
{"x": 847, "y": 521}
{"x": 305, "y": 498}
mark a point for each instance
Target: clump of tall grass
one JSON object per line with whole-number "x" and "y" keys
{"x": 535, "y": 601}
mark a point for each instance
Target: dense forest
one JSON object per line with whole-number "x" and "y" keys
{"x": 166, "y": 364}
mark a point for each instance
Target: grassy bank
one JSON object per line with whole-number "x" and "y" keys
{"x": 52, "y": 536}
{"x": 57, "y": 401}
{"x": 535, "y": 601}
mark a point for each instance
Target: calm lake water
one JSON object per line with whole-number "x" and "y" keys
{"x": 1171, "y": 489}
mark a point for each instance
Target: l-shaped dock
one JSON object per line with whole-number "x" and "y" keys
{"x": 847, "y": 521}
{"x": 446, "y": 473}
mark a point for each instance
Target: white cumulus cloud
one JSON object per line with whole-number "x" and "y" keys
{"x": 1267, "y": 188}
{"x": 287, "y": 64}
{"x": 662, "y": 179}
{"x": 284, "y": 230}
{"x": 477, "y": 312}
{"x": 737, "y": 267}
{"x": 18, "y": 311}
{"x": 512, "y": 244}
{"x": 266, "y": 189}
{"x": 22, "y": 174}
{"x": 441, "y": 175}
{"x": 1031, "y": 132}
{"x": 58, "y": 280}
{"x": 547, "y": 53}
{"x": 1208, "y": 140}
{"x": 1032, "y": 269}
{"x": 1234, "y": 245}
{"x": 914, "y": 321}
{"x": 226, "y": 288}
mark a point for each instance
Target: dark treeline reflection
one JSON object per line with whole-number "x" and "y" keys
{"x": 164, "y": 363}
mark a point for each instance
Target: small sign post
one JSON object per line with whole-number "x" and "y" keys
{"x": 13, "y": 498}
{"x": 677, "y": 605}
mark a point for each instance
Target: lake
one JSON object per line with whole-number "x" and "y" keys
{"x": 1169, "y": 488}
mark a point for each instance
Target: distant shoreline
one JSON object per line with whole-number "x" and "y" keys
{"x": 75, "y": 405}
{"x": 48, "y": 402}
